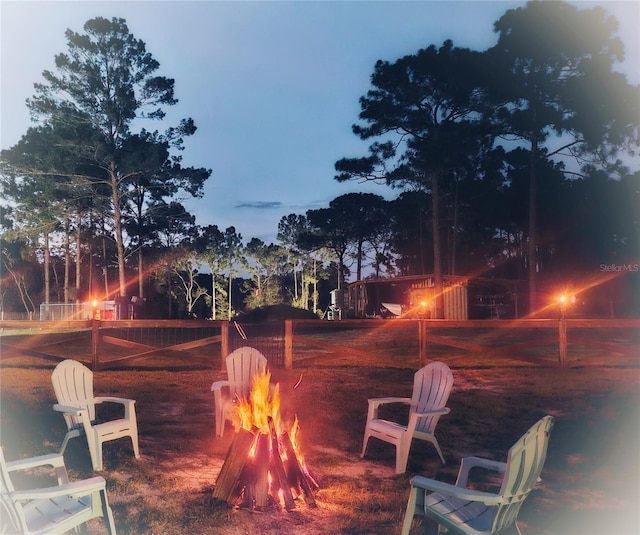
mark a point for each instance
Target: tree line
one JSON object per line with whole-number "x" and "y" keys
{"x": 519, "y": 161}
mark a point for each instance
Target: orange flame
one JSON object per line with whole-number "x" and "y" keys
{"x": 260, "y": 414}
{"x": 263, "y": 403}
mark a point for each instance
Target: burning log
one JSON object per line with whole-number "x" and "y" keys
{"x": 234, "y": 464}
{"x": 283, "y": 485}
{"x": 262, "y": 468}
{"x": 261, "y": 473}
{"x": 298, "y": 476}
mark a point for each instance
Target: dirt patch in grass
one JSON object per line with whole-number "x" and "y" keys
{"x": 590, "y": 479}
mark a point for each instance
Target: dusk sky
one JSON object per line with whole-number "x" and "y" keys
{"x": 273, "y": 87}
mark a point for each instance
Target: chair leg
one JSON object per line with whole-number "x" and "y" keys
{"x": 410, "y": 511}
{"x": 98, "y": 463}
{"x": 65, "y": 441}
{"x": 107, "y": 513}
{"x": 364, "y": 443}
{"x": 402, "y": 455}
{"x": 437, "y": 446}
{"x": 134, "y": 437}
{"x": 134, "y": 443}
{"x": 95, "y": 451}
{"x": 219, "y": 423}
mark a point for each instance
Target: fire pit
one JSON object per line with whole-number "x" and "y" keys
{"x": 264, "y": 468}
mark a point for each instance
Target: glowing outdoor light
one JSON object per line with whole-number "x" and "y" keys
{"x": 97, "y": 314}
{"x": 565, "y": 300}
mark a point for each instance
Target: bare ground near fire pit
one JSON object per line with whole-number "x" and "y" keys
{"x": 590, "y": 483}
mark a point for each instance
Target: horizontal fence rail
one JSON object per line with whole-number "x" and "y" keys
{"x": 402, "y": 342}
{"x": 137, "y": 340}
{"x": 479, "y": 337}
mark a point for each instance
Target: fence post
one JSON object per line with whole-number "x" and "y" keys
{"x": 288, "y": 344}
{"x": 224, "y": 343}
{"x": 422, "y": 342}
{"x": 95, "y": 339}
{"x": 562, "y": 341}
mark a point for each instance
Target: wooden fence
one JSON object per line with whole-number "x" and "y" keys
{"x": 115, "y": 343}
{"x": 137, "y": 339}
{"x": 477, "y": 338}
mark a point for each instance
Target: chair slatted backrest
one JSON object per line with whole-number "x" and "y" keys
{"x": 431, "y": 388}
{"x": 73, "y": 385}
{"x": 242, "y": 365}
{"x": 524, "y": 465}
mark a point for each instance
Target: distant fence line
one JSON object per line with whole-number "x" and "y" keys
{"x": 167, "y": 336}
{"x": 281, "y": 342}
{"x": 424, "y": 332}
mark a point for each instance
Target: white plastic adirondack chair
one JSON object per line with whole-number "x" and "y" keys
{"x": 242, "y": 365}
{"x": 470, "y": 512}
{"x": 52, "y": 510}
{"x": 73, "y": 385}
{"x": 431, "y": 388}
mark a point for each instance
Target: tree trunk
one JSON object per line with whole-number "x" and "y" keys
{"x": 67, "y": 257}
{"x": 422, "y": 253}
{"x": 213, "y": 295}
{"x": 117, "y": 226}
{"x": 454, "y": 230}
{"x": 315, "y": 286}
{"x": 305, "y": 283}
{"x": 170, "y": 301}
{"x": 78, "y": 254}
{"x": 140, "y": 271}
{"x": 47, "y": 264}
{"x": 437, "y": 253}
{"x": 230, "y": 279}
{"x": 359, "y": 260}
{"x": 532, "y": 243}
{"x": 340, "y": 282}
{"x": 90, "y": 243}
{"x": 105, "y": 268}
{"x": 90, "y": 269}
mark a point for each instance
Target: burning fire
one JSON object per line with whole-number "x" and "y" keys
{"x": 263, "y": 403}
{"x": 263, "y": 406}
{"x": 264, "y": 460}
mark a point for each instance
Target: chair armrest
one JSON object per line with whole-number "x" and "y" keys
{"x": 218, "y": 385}
{"x": 74, "y": 489}
{"x": 69, "y": 408}
{"x": 443, "y": 410}
{"x": 82, "y": 415}
{"x": 112, "y": 399}
{"x": 477, "y": 462}
{"x": 128, "y": 404}
{"x": 218, "y": 398}
{"x": 377, "y": 402}
{"x": 52, "y": 459}
{"x": 55, "y": 460}
{"x": 462, "y": 493}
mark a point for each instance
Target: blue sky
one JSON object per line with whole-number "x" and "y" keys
{"x": 273, "y": 86}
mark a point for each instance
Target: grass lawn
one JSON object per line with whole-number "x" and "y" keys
{"x": 590, "y": 483}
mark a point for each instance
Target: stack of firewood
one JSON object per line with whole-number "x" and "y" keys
{"x": 263, "y": 471}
